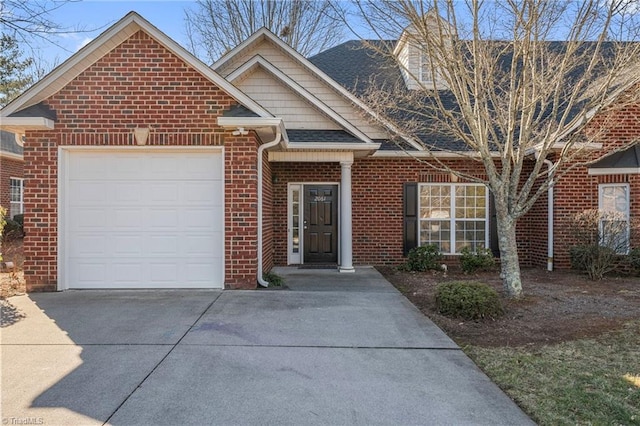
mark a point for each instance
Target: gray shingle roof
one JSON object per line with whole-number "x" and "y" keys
{"x": 357, "y": 67}
{"x": 37, "y": 110}
{"x": 239, "y": 111}
{"x": 320, "y": 136}
{"x": 629, "y": 158}
{"x": 8, "y": 143}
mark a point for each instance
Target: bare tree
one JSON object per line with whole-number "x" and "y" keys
{"x": 216, "y": 26}
{"x": 490, "y": 77}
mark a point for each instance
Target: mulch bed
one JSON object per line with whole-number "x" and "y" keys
{"x": 558, "y": 306}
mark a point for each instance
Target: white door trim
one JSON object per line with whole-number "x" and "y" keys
{"x": 298, "y": 258}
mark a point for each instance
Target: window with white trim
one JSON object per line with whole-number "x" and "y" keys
{"x": 16, "y": 192}
{"x": 454, "y": 216}
{"x": 613, "y": 203}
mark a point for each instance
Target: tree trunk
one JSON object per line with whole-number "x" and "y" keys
{"x": 509, "y": 261}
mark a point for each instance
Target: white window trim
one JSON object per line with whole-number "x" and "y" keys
{"x": 627, "y": 212}
{"x": 19, "y": 203}
{"x": 452, "y": 210}
{"x": 294, "y": 258}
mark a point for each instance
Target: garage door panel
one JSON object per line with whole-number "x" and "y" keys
{"x": 126, "y": 167}
{"x": 144, "y": 220}
{"x": 89, "y": 219}
{"x": 127, "y": 275}
{"x": 202, "y": 168}
{"x": 162, "y": 245}
{"x": 159, "y": 219}
{"x": 89, "y": 166}
{"x": 160, "y": 193}
{"x": 90, "y": 274}
{"x": 162, "y": 273}
{"x": 200, "y": 193}
{"x": 89, "y": 193}
{"x": 126, "y": 192}
{"x": 89, "y": 246}
{"x": 126, "y": 245}
{"x": 128, "y": 219}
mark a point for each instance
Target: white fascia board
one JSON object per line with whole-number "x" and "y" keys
{"x": 426, "y": 154}
{"x": 249, "y": 122}
{"x": 263, "y": 32}
{"x": 21, "y": 124}
{"x": 310, "y": 157}
{"x": 131, "y": 23}
{"x": 293, "y": 85}
{"x": 614, "y": 171}
{"x": 332, "y": 146}
{"x": 11, "y": 156}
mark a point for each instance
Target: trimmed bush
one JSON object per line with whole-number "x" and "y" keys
{"x": 594, "y": 259}
{"x": 424, "y": 258}
{"x": 481, "y": 259}
{"x": 468, "y": 300}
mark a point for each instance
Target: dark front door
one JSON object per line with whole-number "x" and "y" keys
{"x": 320, "y": 224}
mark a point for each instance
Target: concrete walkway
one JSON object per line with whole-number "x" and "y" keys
{"x": 331, "y": 349}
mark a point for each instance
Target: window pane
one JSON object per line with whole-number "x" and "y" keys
{"x": 436, "y": 232}
{"x": 470, "y": 234}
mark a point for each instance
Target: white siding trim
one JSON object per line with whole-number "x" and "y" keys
{"x": 310, "y": 157}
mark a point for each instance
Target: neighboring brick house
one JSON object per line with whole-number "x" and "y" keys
{"x": 146, "y": 168}
{"x": 11, "y": 174}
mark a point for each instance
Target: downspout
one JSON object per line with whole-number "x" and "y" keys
{"x": 261, "y": 149}
{"x": 549, "y": 219}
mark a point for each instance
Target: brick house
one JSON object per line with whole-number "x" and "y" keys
{"x": 146, "y": 168}
{"x": 11, "y": 174}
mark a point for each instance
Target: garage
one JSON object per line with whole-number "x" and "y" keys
{"x": 141, "y": 218}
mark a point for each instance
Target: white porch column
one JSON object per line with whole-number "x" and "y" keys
{"x": 346, "y": 249}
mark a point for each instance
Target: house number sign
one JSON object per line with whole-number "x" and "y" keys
{"x": 319, "y": 198}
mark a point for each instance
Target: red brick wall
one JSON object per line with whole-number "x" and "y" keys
{"x": 577, "y": 191}
{"x": 9, "y": 168}
{"x": 377, "y": 191}
{"x": 241, "y": 219}
{"x": 138, "y": 84}
{"x": 267, "y": 215}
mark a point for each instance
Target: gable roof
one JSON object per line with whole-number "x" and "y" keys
{"x": 265, "y": 34}
{"x": 104, "y": 43}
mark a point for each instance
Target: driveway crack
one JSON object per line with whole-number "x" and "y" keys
{"x": 163, "y": 358}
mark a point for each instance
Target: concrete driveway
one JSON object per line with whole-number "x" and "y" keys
{"x": 333, "y": 349}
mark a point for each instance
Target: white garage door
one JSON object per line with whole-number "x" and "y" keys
{"x": 143, "y": 219}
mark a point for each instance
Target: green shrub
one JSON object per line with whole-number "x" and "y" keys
{"x": 481, "y": 259}
{"x": 12, "y": 230}
{"x": 468, "y": 300}
{"x": 424, "y": 258}
{"x": 634, "y": 258}
{"x": 273, "y": 279}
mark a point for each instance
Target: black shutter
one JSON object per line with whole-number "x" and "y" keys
{"x": 410, "y": 224}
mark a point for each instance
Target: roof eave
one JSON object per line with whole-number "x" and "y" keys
{"x": 19, "y": 125}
